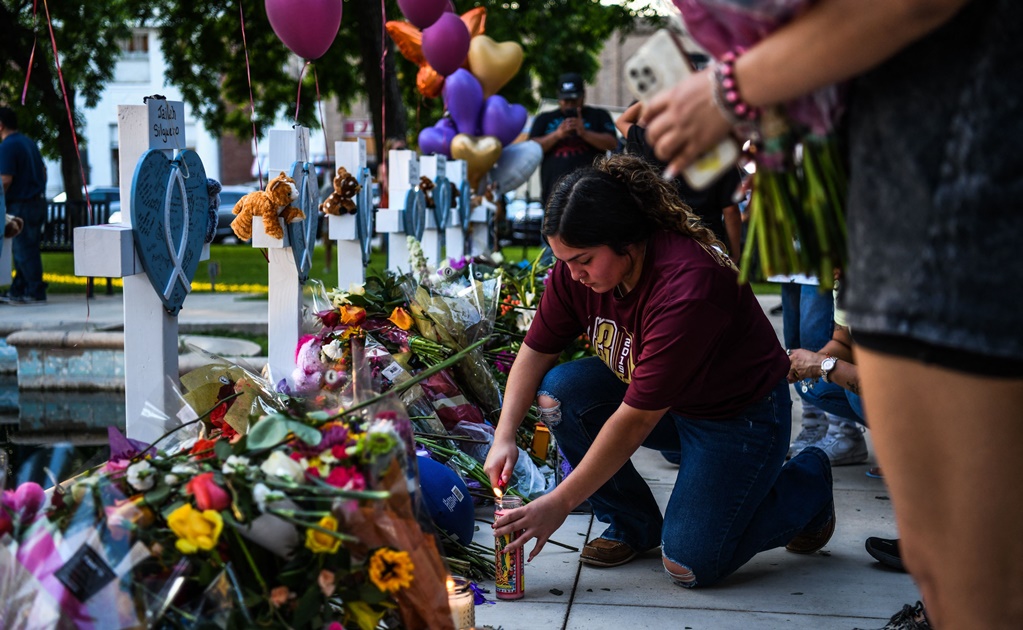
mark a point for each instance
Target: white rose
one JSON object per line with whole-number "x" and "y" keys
{"x": 236, "y": 465}
{"x": 141, "y": 475}
{"x": 263, "y": 495}
{"x": 280, "y": 465}
{"x": 357, "y": 289}
{"x": 333, "y": 350}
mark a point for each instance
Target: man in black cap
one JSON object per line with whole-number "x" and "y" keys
{"x": 573, "y": 135}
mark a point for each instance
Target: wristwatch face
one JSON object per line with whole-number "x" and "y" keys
{"x": 828, "y": 364}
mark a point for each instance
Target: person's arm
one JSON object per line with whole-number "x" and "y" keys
{"x": 833, "y": 41}
{"x": 621, "y": 436}
{"x": 548, "y": 141}
{"x": 6, "y": 179}
{"x": 602, "y": 139}
{"x": 524, "y": 379}
{"x": 628, "y": 118}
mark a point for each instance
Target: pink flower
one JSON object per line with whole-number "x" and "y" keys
{"x": 208, "y": 495}
{"x": 347, "y": 478}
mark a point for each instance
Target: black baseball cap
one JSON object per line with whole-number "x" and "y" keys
{"x": 570, "y": 85}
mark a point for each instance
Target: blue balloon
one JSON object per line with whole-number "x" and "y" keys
{"x": 447, "y": 500}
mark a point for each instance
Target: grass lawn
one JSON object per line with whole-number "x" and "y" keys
{"x": 243, "y": 269}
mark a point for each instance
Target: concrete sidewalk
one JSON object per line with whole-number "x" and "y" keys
{"x": 840, "y": 587}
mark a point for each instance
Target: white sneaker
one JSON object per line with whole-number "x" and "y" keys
{"x": 844, "y": 443}
{"x": 815, "y": 428}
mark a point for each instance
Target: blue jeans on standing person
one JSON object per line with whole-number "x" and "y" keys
{"x": 734, "y": 496}
{"x": 807, "y": 315}
{"x": 28, "y": 261}
{"x": 832, "y": 399}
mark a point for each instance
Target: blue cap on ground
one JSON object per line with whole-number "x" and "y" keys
{"x": 447, "y": 499}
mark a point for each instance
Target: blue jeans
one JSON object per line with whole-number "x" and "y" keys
{"x": 807, "y": 315}
{"x": 28, "y": 262}
{"x": 832, "y": 399}
{"x": 734, "y": 496}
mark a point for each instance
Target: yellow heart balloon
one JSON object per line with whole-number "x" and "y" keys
{"x": 479, "y": 152}
{"x": 492, "y": 63}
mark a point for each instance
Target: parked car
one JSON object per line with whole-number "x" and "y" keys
{"x": 524, "y": 222}
{"x": 109, "y": 195}
{"x": 229, "y": 196}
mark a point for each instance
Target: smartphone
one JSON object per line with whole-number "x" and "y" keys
{"x": 660, "y": 63}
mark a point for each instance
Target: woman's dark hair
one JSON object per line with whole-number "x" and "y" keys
{"x": 617, "y": 202}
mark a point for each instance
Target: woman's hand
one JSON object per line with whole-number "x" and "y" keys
{"x": 683, "y": 123}
{"x": 501, "y": 461}
{"x": 538, "y": 519}
{"x": 804, "y": 364}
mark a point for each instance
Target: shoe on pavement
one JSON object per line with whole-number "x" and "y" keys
{"x": 885, "y": 551}
{"x": 808, "y": 542}
{"x": 814, "y": 430}
{"x": 844, "y": 443}
{"x": 601, "y": 552}
{"x": 909, "y": 618}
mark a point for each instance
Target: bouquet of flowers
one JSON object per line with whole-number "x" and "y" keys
{"x": 231, "y": 526}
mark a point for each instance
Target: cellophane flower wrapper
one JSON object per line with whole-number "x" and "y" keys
{"x": 801, "y": 228}
{"x": 458, "y": 314}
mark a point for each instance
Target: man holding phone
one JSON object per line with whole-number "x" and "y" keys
{"x": 573, "y": 135}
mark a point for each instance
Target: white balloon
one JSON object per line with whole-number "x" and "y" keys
{"x": 516, "y": 164}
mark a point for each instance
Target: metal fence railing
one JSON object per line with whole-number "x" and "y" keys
{"x": 62, "y": 217}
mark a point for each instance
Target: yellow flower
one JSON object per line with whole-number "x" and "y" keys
{"x": 320, "y": 542}
{"x": 390, "y": 570}
{"x": 195, "y": 530}
{"x": 400, "y": 318}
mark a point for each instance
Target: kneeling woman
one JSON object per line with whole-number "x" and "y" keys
{"x": 686, "y": 363}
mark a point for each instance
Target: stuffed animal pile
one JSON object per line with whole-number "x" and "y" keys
{"x": 267, "y": 204}
{"x": 340, "y": 201}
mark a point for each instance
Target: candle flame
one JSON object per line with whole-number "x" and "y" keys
{"x": 451, "y": 584}
{"x": 498, "y": 493}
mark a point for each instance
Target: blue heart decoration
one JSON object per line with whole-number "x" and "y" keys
{"x": 302, "y": 234}
{"x": 364, "y": 213}
{"x": 465, "y": 204}
{"x": 442, "y": 202}
{"x": 415, "y": 213}
{"x": 169, "y": 203}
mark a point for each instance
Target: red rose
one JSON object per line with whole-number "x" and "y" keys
{"x": 208, "y": 495}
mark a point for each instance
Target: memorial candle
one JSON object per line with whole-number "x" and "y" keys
{"x": 460, "y": 600}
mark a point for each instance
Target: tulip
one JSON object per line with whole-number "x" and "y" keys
{"x": 208, "y": 495}
{"x": 195, "y": 530}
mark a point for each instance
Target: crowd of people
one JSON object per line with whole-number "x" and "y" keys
{"x": 922, "y": 343}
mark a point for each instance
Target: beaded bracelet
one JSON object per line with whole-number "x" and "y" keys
{"x": 726, "y": 92}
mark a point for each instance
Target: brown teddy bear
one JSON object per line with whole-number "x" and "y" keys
{"x": 267, "y": 204}
{"x": 340, "y": 201}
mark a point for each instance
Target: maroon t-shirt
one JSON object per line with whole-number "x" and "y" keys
{"x": 688, "y": 336}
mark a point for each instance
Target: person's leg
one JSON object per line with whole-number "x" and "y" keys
{"x": 734, "y": 498}
{"x": 829, "y": 398}
{"x": 951, "y": 445}
{"x": 816, "y": 317}
{"x": 28, "y": 262}
{"x": 575, "y": 400}
{"x": 790, "y": 294}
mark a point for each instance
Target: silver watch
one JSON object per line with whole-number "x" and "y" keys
{"x": 827, "y": 365}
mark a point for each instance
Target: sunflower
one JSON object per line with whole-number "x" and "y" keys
{"x": 390, "y": 570}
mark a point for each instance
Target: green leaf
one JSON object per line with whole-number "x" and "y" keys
{"x": 319, "y": 415}
{"x": 309, "y": 435}
{"x": 308, "y": 606}
{"x": 269, "y": 431}
{"x": 155, "y": 497}
{"x": 222, "y": 449}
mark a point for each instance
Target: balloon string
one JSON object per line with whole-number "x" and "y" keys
{"x": 74, "y": 133}
{"x": 383, "y": 78}
{"x": 298, "y": 94}
{"x": 319, "y": 106}
{"x": 252, "y": 102}
{"x": 32, "y": 55}
{"x": 67, "y": 107}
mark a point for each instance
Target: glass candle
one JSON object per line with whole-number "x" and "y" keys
{"x": 509, "y": 566}
{"x": 460, "y": 600}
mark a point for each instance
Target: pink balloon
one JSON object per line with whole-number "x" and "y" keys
{"x": 463, "y": 96}
{"x": 446, "y": 43}
{"x": 307, "y": 27}
{"x": 422, "y": 13}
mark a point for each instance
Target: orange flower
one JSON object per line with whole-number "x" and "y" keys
{"x": 390, "y": 570}
{"x": 326, "y": 582}
{"x": 400, "y": 318}
{"x": 352, "y": 315}
{"x": 279, "y": 596}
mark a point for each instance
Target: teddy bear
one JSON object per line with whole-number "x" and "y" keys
{"x": 267, "y": 204}
{"x": 340, "y": 201}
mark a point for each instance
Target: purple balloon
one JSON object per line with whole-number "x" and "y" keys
{"x": 502, "y": 120}
{"x": 463, "y": 96}
{"x": 446, "y": 123}
{"x": 307, "y": 27}
{"x": 422, "y": 13}
{"x": 437, "y": 139}
{"x": 446, "y": 43}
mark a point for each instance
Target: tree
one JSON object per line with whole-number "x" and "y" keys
{"x": 88, "y": 36}
{"x": 203, "y": 46}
